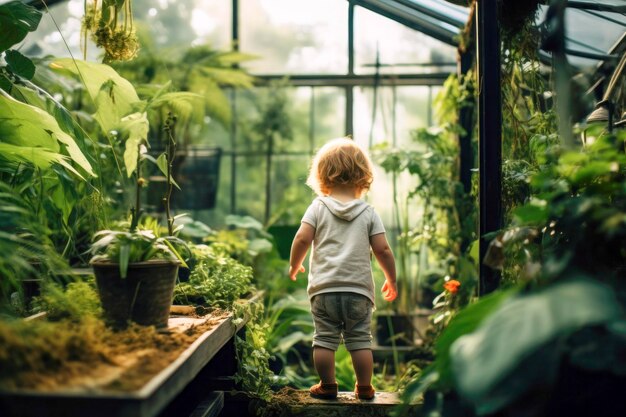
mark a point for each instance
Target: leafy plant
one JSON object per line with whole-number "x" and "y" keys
{"x": 518, "y": 343}
{"x": 253, "y": 372}
{"x": 27, "y": 250}
{"x": 216, "y": 280}
{"x": 439, "y": 233}
{"x": 44, "y": 155}
{"x": 200, "y": 70}
{"x": 78, "y": 301}
{"x": 17, "y": 20}
{"x": 136, "y": 246}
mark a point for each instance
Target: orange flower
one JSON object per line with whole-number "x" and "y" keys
{"x": 452, "y": 286}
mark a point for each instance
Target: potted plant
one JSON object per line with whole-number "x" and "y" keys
{"x": 135, "y": 275}
{"x": 136, "y": 270}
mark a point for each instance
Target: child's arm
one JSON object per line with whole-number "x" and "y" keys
{"x": 301, "y": 244}
{"x": 385, "y": 259}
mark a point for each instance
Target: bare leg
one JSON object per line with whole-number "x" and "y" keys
{"x": 363, "y": 363}
{"x": 324, "y": 360}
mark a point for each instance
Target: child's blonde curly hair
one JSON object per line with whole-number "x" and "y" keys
{"x": 340, "y": 162}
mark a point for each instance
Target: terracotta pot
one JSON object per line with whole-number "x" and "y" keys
{"x": 144, "y": 296}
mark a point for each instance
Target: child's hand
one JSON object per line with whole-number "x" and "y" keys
{"x": 389, "y": 290}
{"x": 294, "y": 271}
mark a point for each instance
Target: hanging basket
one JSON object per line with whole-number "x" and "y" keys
{"x": 144, "y": 296}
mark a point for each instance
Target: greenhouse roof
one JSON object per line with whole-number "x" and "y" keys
{"x": 594, "y": 29}
{"x": 437, "y": 18}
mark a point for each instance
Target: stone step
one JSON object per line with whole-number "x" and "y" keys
{"x": 299, "y": 403}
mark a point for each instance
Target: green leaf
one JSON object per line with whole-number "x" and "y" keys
{"x": 175, "y": 252}
{"x": 134, "y": 128}
{"x": 522, "y": 325}
{"x": 25, "y": 125}
{"x": 257, "y": 246}
{"x": 94, "y": 76}
{"x": 534, "y": 213}
{"x": 183, "y": 104}
{"x": 465, "y": 322}
{"x": 19, "y": 64}
{"x": 40, "y": 157}
{"x": 594, "y": 169}
{"x": 243, "y": 222}
{"x": 107, "y": 113}
{"x": 124, "y": 258}
{"x": 16, "y": 20}
{"x": 232, "y": 57}
{"x": 216, "y": 103}
{"x": 60, "y": 200}
{"x": 161, "y": 163}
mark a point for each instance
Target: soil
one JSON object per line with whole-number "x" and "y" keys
{"x": 290, "y": 402}
{"x": 87, "y": 356}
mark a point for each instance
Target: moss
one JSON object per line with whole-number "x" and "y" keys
{"x": 67, "y": 354}
{"x": 79, "y": 301}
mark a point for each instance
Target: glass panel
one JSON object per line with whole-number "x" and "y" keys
{"x": 167, "y": 23}
{"x": 222, "y": 207}
{"x": 589, "y": 32}
{"x": 305, "y": 36}
{"x": 412, "y": 112}
{"x": 330, "y": 114}
{"x": 251, "y": 103}
{"x": 290, "y": 195}
{"x": 176, "y": 24}
{"x": 453, "y": 11}
{"x": 212, "y": 134}
{"x": 251, "y": 186}
{"x": 401, "y": 49}
{"x": 47, "y": 40}
{"x": 412, "y": 109}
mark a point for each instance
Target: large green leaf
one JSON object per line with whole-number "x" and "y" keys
{"x": 40, "y": 157}
{"x": 234, "y": 57}
{"x": 94, "y": 76}
{"x": 107, "y": 113}
{"x": 16, "y": 20}
{"x": 183, "y": 104}
{"x": 217, "y": 104}
{"x": 465, "y": 322}
{"x": 19, "y": 64}
{"x": 485, "y": 360}
{"x": 25, "y": 125}
{"x": 134, "y": 128}
{"x": 227, "y": 76}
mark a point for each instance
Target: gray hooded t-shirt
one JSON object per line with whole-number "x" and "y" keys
{"x": 340, "y": 258}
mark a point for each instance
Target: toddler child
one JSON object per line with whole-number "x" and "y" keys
{"x": 342, "y": 228}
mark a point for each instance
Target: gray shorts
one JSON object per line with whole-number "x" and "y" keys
{"x": 338, "y": 315}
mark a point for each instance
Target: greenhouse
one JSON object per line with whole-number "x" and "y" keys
{"x": 312, "y": 207}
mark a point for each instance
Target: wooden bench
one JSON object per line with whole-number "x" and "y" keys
{"x": 154, "y": 399}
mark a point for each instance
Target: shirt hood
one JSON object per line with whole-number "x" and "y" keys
{"x": 346, "y": 211}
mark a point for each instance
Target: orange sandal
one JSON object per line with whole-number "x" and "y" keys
{"x": 364, "y": 392}
{"x": 324, "y": 391}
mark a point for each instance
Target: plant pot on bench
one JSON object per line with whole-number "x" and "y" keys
{"x": 144, "y": 296}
